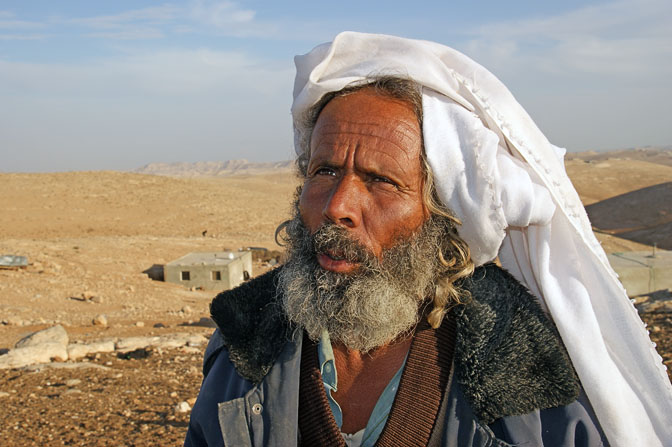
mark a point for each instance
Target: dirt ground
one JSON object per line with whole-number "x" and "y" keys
{"x": 94, "y": 233}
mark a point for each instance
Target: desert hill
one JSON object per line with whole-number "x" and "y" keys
{"x": 643, "y": 215}
{"x": 658, "y": 155}
{"x": 215, "y": 168}
{"x": 627, "y": 195}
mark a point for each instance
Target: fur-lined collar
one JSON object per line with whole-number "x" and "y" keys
{"x": 508, "y": 358}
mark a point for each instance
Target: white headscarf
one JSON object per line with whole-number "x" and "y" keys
{"x": 499, "y": 174}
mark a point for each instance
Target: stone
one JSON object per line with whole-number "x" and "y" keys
{"x": 100, "y": 320}
{"x": 133, "y": 343}
{"x": 63, "y": 365}
{"x": 79, "y": 350}
{"x": 3, "y": 394}
{"x": 140, "y": 324}
{"x": 187, "y": 310}
{"x": 182, "y": 407}
{"x": 205, "y": 322}
{"x": 97, "y": 299}
{"x": 13, "y": 320}
{"x": 656, "y": 306}
{"x": 72, "y": 391}
{"x": 72, "y": 382}
{"x": 88, "y": 295}
{"x": 54, "y": 334}
{"x": 34, "y": 354}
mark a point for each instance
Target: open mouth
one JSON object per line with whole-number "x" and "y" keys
{"x": 335, "y": 255}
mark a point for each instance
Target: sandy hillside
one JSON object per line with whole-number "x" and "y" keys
{"x": 628, "y": 200}
{"x": 98, "y": 231}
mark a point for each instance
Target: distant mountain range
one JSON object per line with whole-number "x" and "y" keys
{"x": 660, "y": 155}
{"x": 214, "y": 168}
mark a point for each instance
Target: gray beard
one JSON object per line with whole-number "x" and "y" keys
{"x": 379, "y": 302}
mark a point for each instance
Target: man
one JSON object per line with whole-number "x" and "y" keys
{"x": 378, "y": 330}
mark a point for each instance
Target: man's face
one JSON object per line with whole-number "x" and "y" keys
{"x": 364, "y": 174}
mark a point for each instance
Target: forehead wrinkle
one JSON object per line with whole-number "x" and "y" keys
{"x": 403, "y": 131}
{"x": 402, "y": 148}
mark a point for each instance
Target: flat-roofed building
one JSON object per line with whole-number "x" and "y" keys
{"x": 211, "y": 271}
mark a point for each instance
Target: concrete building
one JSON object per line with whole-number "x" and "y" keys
{"x": 211, "y": 271}
{"x": 642, "y": 272}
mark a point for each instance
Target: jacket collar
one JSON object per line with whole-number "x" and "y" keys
{"x": 508, "y": 358}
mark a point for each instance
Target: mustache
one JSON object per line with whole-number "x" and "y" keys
{"x": 334, "y": 241}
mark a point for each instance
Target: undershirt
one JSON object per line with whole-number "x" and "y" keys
{"x": 367, "y": 436}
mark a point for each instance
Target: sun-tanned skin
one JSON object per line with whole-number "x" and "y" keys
{"x": 365, "y": 174}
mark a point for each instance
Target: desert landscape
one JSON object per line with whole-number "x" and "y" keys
{"x": 89, "y": 236}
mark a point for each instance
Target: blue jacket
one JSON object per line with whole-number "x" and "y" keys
{"x": 513, "y": 383}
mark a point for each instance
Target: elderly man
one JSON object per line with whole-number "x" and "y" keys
{"x": 388, "y": 325}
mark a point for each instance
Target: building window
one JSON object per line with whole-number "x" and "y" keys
{"x": 185, "y": 276}
{"x": 216, "y": 276}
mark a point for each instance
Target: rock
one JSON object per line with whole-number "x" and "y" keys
{"x": 186, "y": 310}
{"x": 159, "y": 325}
{"x": 3, "y": 394}
{"x": 133, "y": 343}
{"x": 205, "y": 322}
{"x": 72, "y": 382}
{"x": 191, "y": 401}
{"x": 31, "y": 355}
{"x": 179, "y": 340}
{"x": 79, "y": 350}
{"x": 656, "y": 306}
{"x": 161, "y": 342}
{"x": 97, "y": 299}
{"x": 196, "y": 340}
{"x": 54, "y": 334}
{"x": 62, "y": 365}
{"x": 100, "y": 320}
{"x": 190, "y": 350}
{"x": 13, "y": 320}
{"x": 182, "y": 407}
{"x": 72, "y": 391}
{"x": 137, "y": 354}
{"x": 88, "y": 295}
{"x": 140, "y": 324}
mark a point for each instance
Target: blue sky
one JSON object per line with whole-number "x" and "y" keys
{"x": 89, "y": 85}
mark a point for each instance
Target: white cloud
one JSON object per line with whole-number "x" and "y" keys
{"x": 8, "y": 21}
{"x": 623, "y": 38}
{"x": 22, "y": 36}
{"x": 156, "y": 14}
{"x": 129, "y": 33}
{"x": 218, "y": 17}
{"x": 220, "y": 13}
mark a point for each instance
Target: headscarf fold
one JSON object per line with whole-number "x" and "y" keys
{"x": 503, "y": 179}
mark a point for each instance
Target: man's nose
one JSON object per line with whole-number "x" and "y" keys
{"x": 343, "y": 206}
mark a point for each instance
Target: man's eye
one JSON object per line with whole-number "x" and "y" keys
{"x": 381, "y": 179}
{"x": 325, "y": 171}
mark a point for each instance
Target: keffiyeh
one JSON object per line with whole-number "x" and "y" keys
{"x": 502, "y": 178}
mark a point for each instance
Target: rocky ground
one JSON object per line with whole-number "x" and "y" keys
{"x": 138, "y": 399}
{"x": 89, "y": 237}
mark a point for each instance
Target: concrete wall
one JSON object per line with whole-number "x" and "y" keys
{"x": 641, "y": 273}
{"x": 203, "y": 273}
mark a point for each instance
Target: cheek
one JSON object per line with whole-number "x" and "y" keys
{"x": 307, "y": 207}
